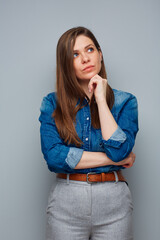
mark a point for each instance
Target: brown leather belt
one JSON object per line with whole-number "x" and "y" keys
{"x": 95, "y": 177}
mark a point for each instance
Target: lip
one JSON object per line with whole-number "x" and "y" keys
{"x": 88, "y": 68}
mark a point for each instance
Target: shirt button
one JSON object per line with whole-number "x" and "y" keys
{"x": 86, "y": 139}
{"x": 87, "y": 118}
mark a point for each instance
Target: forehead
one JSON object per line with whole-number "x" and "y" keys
{"x": 81, "y": 42}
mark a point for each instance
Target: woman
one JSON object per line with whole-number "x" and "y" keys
{"x": 88, "y": 131}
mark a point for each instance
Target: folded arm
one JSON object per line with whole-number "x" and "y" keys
{"x": 59, "y": 156}
{"x": 62, "y": 158}
{"x": 119, "y": 143}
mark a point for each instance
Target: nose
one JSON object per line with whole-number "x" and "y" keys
{"x": 84, "y": 57}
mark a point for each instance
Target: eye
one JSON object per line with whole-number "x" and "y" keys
{"x": 75, "y": 55}
{"x": 91, "y": 49}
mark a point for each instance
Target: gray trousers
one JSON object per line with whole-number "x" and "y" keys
{"x": 81, "y": 211}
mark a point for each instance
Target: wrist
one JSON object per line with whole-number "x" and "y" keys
{"x": 101, "y": 100}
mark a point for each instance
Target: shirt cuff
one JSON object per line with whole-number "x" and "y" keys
{"x": 73, "y": 157}
{"x": 116, "y": 140}
{"x": 118, "y": 135}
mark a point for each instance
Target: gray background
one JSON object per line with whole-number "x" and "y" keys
{"x": 129, "y": 34}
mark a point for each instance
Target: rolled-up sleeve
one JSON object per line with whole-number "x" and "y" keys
{"x": 73, "y": 157}
{"x": 59, "y": 156}
{"x": 121, "y": 143}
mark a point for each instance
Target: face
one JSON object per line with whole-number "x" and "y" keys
{"x": 87, "y": 59}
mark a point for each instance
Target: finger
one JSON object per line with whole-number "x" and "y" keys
{"x": 91, "y": 84}
{"x": 134, "y": 155}
{"x": 127, "y": 165}
{"x": 131, "y": 154}
{"x": 96, "y": 76}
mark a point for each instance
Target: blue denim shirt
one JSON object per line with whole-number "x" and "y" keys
{"x": 62, "y": 158}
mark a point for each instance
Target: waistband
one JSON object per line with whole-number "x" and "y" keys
{"x": 93, "y": 177}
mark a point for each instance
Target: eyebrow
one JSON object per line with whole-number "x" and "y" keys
{"x": 85, "y": 47}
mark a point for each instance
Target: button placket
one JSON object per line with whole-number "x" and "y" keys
{"x": 86, "y": 131}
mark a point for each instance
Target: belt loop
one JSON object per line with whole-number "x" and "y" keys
{"x": 116, "y": 176}
{"x": 67, "y": 178}
{"x": 103, "y": 176}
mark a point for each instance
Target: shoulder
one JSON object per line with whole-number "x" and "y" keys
{"x": 122, "y": 98}
{"x": 49, "y": 102}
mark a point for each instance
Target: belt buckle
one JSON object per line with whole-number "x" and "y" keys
{"x": 90, "y": 173}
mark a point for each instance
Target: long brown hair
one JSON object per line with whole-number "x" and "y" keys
{"x": 69, "y": 91}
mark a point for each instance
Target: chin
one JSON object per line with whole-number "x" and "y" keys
{"x": 90, "y": 75}
{"x": 87, "y": 76}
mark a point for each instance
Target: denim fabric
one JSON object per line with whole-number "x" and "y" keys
{"x": 63, "y": 158}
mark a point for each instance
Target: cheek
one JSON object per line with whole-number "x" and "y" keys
{"x": 99, "y": 65}
{"x": 75, "y": 66}
{"x": 98, "y": 60}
